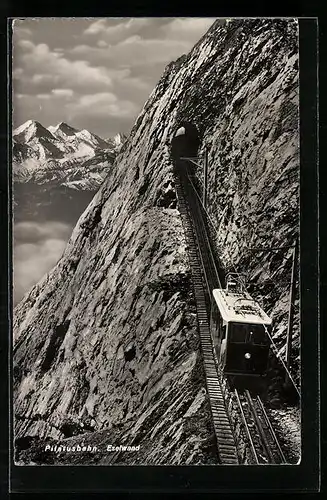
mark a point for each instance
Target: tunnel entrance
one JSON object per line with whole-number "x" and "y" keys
{"x": 186, "y": 141}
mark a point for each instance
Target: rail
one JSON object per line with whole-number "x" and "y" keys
{"x": 204, "y": 276}
{"x": 256, "y": 428}
{"x": 263, "y": 442}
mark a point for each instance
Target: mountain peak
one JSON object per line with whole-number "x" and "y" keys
{"x": 29, "y": 130}
{"x": 64, "y": 125}
{"x": 64, "y": 128}
{"x": 94, "y": 139}
{"x": 85, "y": 132}
{"x": 29, "y": 124}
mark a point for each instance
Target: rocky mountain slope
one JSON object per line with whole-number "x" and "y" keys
{"x": 106, "y": 345}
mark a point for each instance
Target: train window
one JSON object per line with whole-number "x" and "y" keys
{"x": 213, "y": 312}
{"x": 258, "y": 335}
{"x": 214, "y": 317}
{"x": 220, "y": 328}
{"x": 245, "y": 333}
{"x": 238, "y": 333}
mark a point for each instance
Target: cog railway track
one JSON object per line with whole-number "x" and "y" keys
{"x": 264, "y": 444}
{"x": 200, "y": 260}
{"x": 258, "y": 431}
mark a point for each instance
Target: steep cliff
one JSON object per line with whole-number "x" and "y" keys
{"x": 106, "y": 345}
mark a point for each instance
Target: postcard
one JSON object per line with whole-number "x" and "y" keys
{"x": 156, "y": 235}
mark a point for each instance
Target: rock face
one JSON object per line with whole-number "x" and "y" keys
{"x": 106, "y": 345}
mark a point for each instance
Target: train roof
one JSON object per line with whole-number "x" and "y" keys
{"x": 239, "y": 307}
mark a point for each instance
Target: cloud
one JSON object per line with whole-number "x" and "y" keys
{"x": 26, "y": 45}
{"x": 67, "y": 59}
{"x": 34, "y": 231}
{"x": 102, "y": 43}
{"x": 38, "y": 247}
{"x": 177, "y": 29}
{"x": 115, "y": 34}
{"x": 45, "y": 107}
{"x": 186, "y": 28}
{"x": 63, "y": 92}
{"x": 17, "y": 72}
{"x": 42, "y": 78}
{"x": 43, "y": 96}
{"x": 80, "y": 90}
{"x": 133, "y": 51}
{"x": 24, "y": 31}
{"x": 32, "y": 262}
{"x": 41, "y": 65}
{"x": 96, "y": 27}
{"x": 103, "y": 104}
{"x": 19, "y": 30}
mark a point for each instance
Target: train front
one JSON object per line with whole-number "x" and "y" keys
{"x": 240, "y": 332}
{"x": 247, "y": 349}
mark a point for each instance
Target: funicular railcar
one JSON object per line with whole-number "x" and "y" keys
{"x": 239, "y": 327}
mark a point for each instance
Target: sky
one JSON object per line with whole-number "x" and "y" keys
{"x": 91, "y": 73}
{"x": 94, "y": 73}
{"x": 38, "y": 246}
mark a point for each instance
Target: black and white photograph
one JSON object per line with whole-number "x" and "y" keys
{"x": 156, "y": 213}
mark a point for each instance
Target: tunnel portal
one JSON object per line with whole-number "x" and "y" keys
{"x": 186, "y": 141}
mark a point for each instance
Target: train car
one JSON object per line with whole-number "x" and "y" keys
{"x": 238, "y": 329}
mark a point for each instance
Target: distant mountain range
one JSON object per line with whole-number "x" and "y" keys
{"x": 61, "y": 154}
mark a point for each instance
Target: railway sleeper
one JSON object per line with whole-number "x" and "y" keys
{"x": 225, "y": 439}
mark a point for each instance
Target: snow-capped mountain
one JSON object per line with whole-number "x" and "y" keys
{"x": 59, "y": 141}
{"x": 61, "y": 154}
{"x": 81, "y": 142}
{"x": 40, "y": 139}
{"x": 62, "y": 130}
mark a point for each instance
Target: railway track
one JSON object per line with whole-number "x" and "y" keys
{"x": 257, "y": 428}
{"x": 201, "y": 258}
{"x": 262, "y": 439}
